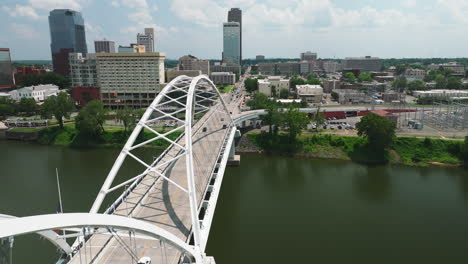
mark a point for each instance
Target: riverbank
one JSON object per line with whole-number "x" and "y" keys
{"x": 406, "y": 150}
{"x": 69, "y": 136}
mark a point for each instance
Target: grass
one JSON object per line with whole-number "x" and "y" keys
{"x": 69, "y": 136}
{"x": 406, "y": 150}
{"x": 226, "y": 89}
{"x": 26, "y": 129}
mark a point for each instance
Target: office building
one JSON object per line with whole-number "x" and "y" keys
{"x": 83, "y": 72}
{"x": 231, "y": 43}
{"x": 226, "y": 68}
{"x": 38, "y": 92}
{"x": 330, "y": 85}
{"x": 331, "y": 66}
{"x": 455, "y": 68}
{"x": 260, "y": 57}
{"x": 267, "y": 68}
{"x": 225, "y": 78}
{"x": 272, "y": 83}
{"x": 67, "y": 33}
{"x": 308, "y": 56}
{"x": 363, "y": 64}
{"x": 130, "y": 79}
{"x": 6, "y": 70}
{"x": 171, "y": 74}
{"x": 192, "y": 63}
{"x": 312, "y": 94}
{"x": 147, "y": 39}
{"x": 133, "y": 48}
{"x": 107, "y": 46}
{"x": 235, "y": 15}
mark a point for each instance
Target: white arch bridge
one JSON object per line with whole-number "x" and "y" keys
{"x": 165, "y": 212}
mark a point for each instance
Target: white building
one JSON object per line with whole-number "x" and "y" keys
{"x": 276, "y": 83}
{"x": 39, "y": 92}
{"x": 312, "y": 94}
{"x": 83, "y": 71}
{"x": 414, "y": 74}
{"x": 441, "y": 93}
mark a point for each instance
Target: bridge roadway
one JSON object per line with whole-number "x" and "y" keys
{"x": 157, "y": 201}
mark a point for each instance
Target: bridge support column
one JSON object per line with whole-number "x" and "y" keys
{"x": 6, "y": 250}
{"x": 233, "y": 159}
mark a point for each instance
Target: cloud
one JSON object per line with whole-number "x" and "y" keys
{"x": 139, "y": 15}
{"x": 23, "y": 31}
{"x": 54, "y": 4}
{"x": 409, "y": 3}
{"x": 21, "y": 11}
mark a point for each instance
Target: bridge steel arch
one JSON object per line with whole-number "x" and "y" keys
{"x": 194, "y": 91}
{"x": 51, "y": 236}
{"x": 11, "y": 227}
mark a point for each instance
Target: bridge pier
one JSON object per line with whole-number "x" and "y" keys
{"x": 233, "y": 159}
{"x": 6, "y": 250}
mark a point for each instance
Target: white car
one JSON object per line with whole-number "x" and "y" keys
{"x": 145, "y": 260}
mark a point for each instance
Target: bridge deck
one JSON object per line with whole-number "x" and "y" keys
{"x": 157, "y": 201}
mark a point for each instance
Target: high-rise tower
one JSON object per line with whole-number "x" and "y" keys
{"x": 67, "y": 34}
{"x": 231, "y": 43}
{"x": 235, "y": 15}
{"x": 147, "y": 40}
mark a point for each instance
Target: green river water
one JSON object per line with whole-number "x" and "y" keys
{"x": 271, "y": 209}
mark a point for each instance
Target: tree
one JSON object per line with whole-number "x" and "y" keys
{"x": 365, "y": 77}
{"x": 312, "y": 79}
{"x": 294, "y": 121}
{"x": 47, "y": 78}
{"x": 441, "y": 82}
{"x": 273, "y": 91}
{"x": 350, "y": 77}
{"x": 318, "y": 119}
{"x": 129, "y": 117}
{"x": 296, "y": 80}
{"x": 380, "y": 132}
{"x": 400, "y": 69}
{"x": 400, "y": 84}
{"x": 59, "y": 106}
{"x": 251, "y": 85}
{"x": 27, "y": 106}
{"x": 284, "y": 93}
{"x": 90, "y": 120}
{"x": 417, "y": 85}
{"x": 272, "y": 119}
{"x": 454, "y": 83}
{"x": 260, "y": 101}
{"x": 464, "y": 152}
{"x": 335, "y": 96}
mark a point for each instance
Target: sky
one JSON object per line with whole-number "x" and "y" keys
{"x": 274, "y": 28}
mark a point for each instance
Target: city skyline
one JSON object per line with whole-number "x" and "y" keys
{"x": 332, "y": 28}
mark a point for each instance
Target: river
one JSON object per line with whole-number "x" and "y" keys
{"x": 271, "y": 209}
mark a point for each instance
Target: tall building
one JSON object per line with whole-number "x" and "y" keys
{"x": 67, "y": 34}
{"x": 364, "y": 64}
{"x": 192, "y": 63}
{"x": 235, "y": 15}
{"x": 129, "y": 79}
{"x": 147, "y": 39}
{"x": 83, "y": 71}
{"x": 308, "y": 56}
{"x": 6, "y": 70}
{"x": 231, "y": 43}
{"x": 107, "y": 46}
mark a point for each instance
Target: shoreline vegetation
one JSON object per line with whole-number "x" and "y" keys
{"x": 69, "y": 136}
{"x": 407, "y": 151}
